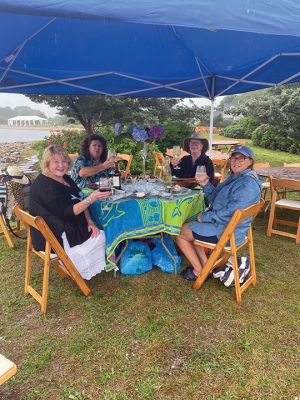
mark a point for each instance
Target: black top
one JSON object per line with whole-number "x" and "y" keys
{"x": 54, "y": 202}
{"x": 188, "y": 169}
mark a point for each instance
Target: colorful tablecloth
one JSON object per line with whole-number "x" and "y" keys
{"x": 134, "y": 218}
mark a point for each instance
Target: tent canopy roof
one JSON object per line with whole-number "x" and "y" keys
{"x": 162, "y": 48}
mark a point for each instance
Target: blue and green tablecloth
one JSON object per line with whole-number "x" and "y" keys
{"x": 133, "y": 218}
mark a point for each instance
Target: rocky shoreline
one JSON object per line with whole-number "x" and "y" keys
{"x": 15, "y": 153}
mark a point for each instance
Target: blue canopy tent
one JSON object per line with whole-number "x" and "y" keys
{"x": 162, "y": 48}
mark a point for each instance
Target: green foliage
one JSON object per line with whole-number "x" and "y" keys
{"x": 241, "y": 128}
{"x": 94, "y": 111}
{"x": 273, "y": 138}
{"x": 277, "y": 111}
{"x": 71, "y": 139}
{"x": 68, "y": 138}
{"x": 176, "y": 131}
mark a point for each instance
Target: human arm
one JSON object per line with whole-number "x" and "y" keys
{"x": 183, "y": 172}
{"x": 243, "y": 192}
{"x": 65, "y": 202}
{"x": 84, "y": 171}
{"x": 91, "y": 225}
{"x": 83, "y": 205}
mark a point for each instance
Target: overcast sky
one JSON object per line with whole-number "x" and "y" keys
{"x": 14, "y": 100}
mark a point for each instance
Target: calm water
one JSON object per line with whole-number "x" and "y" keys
{"x": 9, "y": 135}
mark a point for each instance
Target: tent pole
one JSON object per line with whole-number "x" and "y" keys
{"x": 211, "y": 125}
{"x": 211, "y": 121}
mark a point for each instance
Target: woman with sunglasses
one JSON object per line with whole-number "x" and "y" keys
{"x": 240, "y": 190}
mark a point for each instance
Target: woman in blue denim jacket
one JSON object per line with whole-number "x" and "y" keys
{"x": 240, "y": 190}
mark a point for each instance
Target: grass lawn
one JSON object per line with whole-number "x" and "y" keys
{"x": 151, "y": 337}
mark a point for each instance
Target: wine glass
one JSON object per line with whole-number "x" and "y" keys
{"x": 200, "y": 172}
{"x": 112, "y": 154}
{"x": 176, "y": 154}
{"x": 105, "y": 186}
{"x": 133, "y": 180}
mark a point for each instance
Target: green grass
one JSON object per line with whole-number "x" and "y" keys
{"x": 151, "y": 337}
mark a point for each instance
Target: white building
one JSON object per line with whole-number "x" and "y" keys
{"x": 27, "y": 120}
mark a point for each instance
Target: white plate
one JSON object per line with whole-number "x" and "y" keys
{"x": 140, "y": 195}
{"x": 181, "y": 192}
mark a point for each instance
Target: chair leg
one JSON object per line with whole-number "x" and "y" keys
{"x": 5, "y": 232}
{"x": 252, "y": 258}
{"x": 271, "y": 219}
{"x": 28, "y": 262}
{"x": 237, "y": 286}
{"x": 45, "y": 279}
{"x": 298, "y": 233}
{"x": 210, "y": 264}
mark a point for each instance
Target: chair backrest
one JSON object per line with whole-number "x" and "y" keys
{"x": 239, "y": 216}
{"x": 39, "y": 224}
{"x": 169, "y": 152}
{"x": 283, "y": 184}
{"x": 231, "y": 148}
{"x": 261, "y": 165}
{"x": 160, "y": 162}
{"x": 221, "y": 164}
{"x": 128, "y": 158}
{"x": 292, "y": 165}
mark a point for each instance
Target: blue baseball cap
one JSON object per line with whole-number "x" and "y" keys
{"x": 246, "y": 151}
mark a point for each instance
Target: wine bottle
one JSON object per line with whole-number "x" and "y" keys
{"x": 116, "y": 177}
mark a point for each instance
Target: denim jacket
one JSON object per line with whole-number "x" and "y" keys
{"x": 237, "y": 191}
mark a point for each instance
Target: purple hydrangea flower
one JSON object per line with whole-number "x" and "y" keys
{"x": 118, "y": 127}
{"x": 157, "y": 132}
{"x": 139, "y": 134}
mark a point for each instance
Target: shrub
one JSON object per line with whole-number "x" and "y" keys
{"x": 273, "y": 138}
{"x": 176, "y": 131}
{"x": 71, "y": 139}
{"x": 241, "y": 128}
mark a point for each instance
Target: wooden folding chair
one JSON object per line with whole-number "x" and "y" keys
{"x": 7, "y": 369}
{"x": 221, "y": 251}
{"x": 221, "y": 165}
{"x": 61, "y": 262}
{"x": 128, "y": 158}
{"x": 266, "y": 184}
{"x": 5, "y": 232}
{"x": 283, "y": 203}
{"x": 160, "y": 162}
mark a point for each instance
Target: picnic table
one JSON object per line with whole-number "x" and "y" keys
{"x": 136, "y": 218}
{"x": 280, "y": 172}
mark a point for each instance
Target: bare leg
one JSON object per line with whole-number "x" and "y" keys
{"x": 194, "y": 255}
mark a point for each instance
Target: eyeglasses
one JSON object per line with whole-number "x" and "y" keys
{"x": 239, "y": 159}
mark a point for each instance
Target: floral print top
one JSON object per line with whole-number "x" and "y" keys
{"x": 82, "y": 162}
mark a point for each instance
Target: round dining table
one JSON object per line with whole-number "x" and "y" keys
{"x": 132, "y": 217}
{"x": 280, "y": 172}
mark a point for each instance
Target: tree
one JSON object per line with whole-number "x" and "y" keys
{"x": 278, "y": 107}
{"x": 92, "y": 111}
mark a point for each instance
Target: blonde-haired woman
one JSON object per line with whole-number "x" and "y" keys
{"x": 55, "y": 197}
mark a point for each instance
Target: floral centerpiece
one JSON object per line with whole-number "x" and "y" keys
{"x": 145, "y": 136}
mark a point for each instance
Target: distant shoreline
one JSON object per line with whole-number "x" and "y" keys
{"x": 28, "y": 127}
